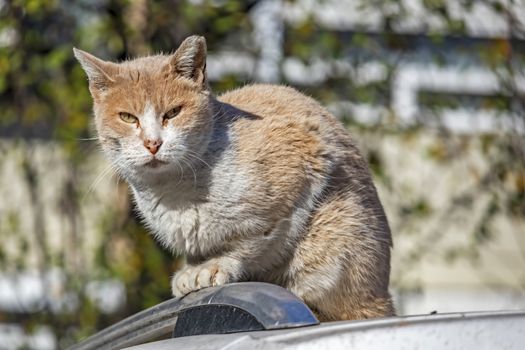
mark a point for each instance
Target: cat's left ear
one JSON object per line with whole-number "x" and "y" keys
{"x": 189, "y": 61}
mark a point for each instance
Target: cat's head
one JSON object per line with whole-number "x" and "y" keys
{"x": 152, "y": 114}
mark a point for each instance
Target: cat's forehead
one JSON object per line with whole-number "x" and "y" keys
{"x": 152, "y": 66}
{"x": 146, "y": 81}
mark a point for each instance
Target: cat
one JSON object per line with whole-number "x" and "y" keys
{"x": 259, "y": 184}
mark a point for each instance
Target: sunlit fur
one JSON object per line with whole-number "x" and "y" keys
{"x": 261, "y": 183}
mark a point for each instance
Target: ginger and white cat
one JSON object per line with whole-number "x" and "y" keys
{"x": 258, "y": 184}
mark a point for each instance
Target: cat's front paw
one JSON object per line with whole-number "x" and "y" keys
{"x": 214, "y": 272}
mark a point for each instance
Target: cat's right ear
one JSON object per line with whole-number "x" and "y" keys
{"x": 100, "y": 73}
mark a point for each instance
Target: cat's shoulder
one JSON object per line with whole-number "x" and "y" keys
{"x": 280, "y": 99}
{"x": 260, "y": 90}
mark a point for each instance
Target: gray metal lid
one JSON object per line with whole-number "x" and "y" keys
{"x": 272, "y": 306}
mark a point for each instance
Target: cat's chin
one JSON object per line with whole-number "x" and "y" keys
{"x": 155, "y": 164}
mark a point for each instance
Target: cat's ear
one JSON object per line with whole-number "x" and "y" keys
{"x": 100, "y": 73}
{"x": 189, "y": 61}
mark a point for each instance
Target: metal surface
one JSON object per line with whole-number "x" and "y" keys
{"x": 214, "y": 319}
{"x": 477, "y": 331}
{"x": 271, "y": 305}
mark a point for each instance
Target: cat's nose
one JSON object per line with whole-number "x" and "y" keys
{"x": 152, "y": 145}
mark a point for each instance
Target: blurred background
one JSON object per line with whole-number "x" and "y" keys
{"x": 433, "y": 91}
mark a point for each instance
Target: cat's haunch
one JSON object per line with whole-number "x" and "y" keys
{"x": 259, "y": 184}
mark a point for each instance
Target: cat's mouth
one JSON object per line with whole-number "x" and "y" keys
{"x": 155, "y": 163}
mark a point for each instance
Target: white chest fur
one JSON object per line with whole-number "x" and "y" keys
{"x": 176, "y": 225}
{"x": 199, "y": 223}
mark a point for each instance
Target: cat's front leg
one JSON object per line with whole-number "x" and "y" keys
{"x": 214, "y": 272}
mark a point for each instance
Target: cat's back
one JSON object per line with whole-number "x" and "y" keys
{"x": 271, "y": 101}
{"x": 272, "y": 121}
{"x": 281, "y": 114}
{"x": 272, "y": 115}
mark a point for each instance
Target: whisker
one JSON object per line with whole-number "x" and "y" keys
{"x": 88, "y": 139}
{"x": 188, "y": 163}
{"x": 220, "y": 113}
{"x": 97, "y": 180}
{"x": 181, "y": 173}
{"x": 118, "y": 187}
{"x": 196, "y": 156}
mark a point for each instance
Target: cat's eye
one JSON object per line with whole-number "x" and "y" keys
{"x": 128, "y": 117}
{"x": 171, "y": 114}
